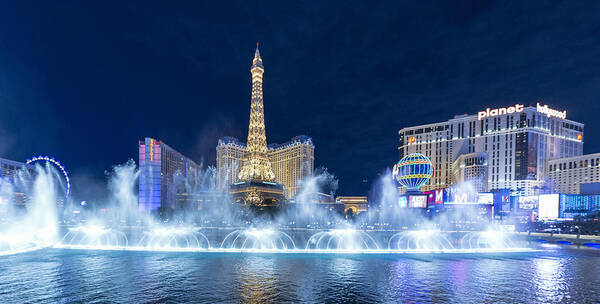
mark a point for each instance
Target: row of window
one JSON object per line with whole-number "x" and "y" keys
{"x": 575, "y": 164}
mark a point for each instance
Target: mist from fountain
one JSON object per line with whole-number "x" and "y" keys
{"x": 124, "y": 200}
{"x": 38, "y": 226}
{"x": 125, "y": 227}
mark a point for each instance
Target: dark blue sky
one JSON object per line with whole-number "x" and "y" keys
{"x": 84, "y": 82}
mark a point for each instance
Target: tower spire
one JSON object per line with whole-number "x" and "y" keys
{"x": 256, "y": 165}
{"x": 257, "y": 61}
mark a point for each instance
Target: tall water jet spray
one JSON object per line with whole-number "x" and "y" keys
{"x": 38, "y": 227}
{"x": 122, "y": 185}
{"x": 385, "y": 194}
{"x": 314, "y": 189}
{"x": 43, "y": 214}
{"x": 6, "y": 199}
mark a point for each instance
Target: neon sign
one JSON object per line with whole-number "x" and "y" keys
{"x": 500, "y": 111}
{"x": 412, "y": 139}
{"x": 551, "y": 112}
{"x": 579, "y": 137}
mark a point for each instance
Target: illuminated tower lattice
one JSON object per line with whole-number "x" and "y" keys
{"x": 256, "y": 165}
{"x": 257, "y": 184}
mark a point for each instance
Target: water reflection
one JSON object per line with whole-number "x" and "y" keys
{"x": 549, "y": 280}
{"x": 50, "y": 276}
{"x": 257, "y": 280}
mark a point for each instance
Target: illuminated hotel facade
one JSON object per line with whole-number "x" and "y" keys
{"x": 230, "y": 154}
{"x": 291, "y": 162}
{"x": 566, "y": 175}
{"x": 471, "y": 168}
{"x": 517, "y": 143}
{"x": 159, "y": 164}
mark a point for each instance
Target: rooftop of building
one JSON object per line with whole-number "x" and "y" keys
{"x": 11, "y": 162}
{"x": 461, "y": 117}
{"x": 228, "y": 140}
{"x": 584, "y": 156}
{"x": 163, "y": 144}
{"x": 299, "y": 139}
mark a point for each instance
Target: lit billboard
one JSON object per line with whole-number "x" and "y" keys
{"x": 464, "y": 195}
{"x": 439, "y": 196}
{"x": 430, "y": 197}
{"x": 528, "y": 202}
{"x": 417, "y": 201}
{"x": 485, "y": 198}
{"x": 548, "y": 206}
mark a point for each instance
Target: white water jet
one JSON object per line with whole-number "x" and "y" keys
{"x": 94, "y": 237}
{"x": 429, "y": 240}
{"x": 258, "y": 239}
{"x": 342, "y": 240}
{"x": 174, "y": 239}
{"x": 38, "y": 227}
{"x": 122, "y": 185}
{"x": 490, "y": 239}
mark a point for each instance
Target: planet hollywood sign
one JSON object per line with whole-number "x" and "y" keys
{"x": 501, "y": 111}
{"x": 551, "y": 112}
{"x": 519, "y": 108}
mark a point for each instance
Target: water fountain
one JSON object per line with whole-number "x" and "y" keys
{"x": 38, "y": 227}
{"x": 258, "y": 240}
{"x": 420, "y": 240}
{"x": 341, "y": 240}
{"x": 130, "y": 229}
{"x": 173, "y": 239}
{"x": 94, "y": 237}
{"x": 487, "y": 240}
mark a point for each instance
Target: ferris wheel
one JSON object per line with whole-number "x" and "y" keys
{"x": 55, "y": 163}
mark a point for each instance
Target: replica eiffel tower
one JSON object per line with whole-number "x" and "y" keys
{"x": 257, "y": 186}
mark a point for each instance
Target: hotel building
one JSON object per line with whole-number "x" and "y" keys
{"x": 471, "y": 168}
{"x": 565, "y": 175}
{"x": 518, "y": 142}
{"x": 230, "y": 155}
{"x": 8, "y": 190}
{"x": 291, "y": 162}
{"x": 159, "y": 164}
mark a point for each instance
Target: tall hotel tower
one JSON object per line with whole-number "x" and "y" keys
{"x": 159, "y": 164}
{"x": 284, "y": 164}
{"x": 510, "y": 147}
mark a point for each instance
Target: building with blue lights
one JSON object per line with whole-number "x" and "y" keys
{"x": 159, "y": 164}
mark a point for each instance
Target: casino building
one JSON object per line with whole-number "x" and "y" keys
{"x": 509, "y": 147}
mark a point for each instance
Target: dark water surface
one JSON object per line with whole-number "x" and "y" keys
{"x": 555, "y": 275}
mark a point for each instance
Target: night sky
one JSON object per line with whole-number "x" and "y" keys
{"x": 85, "y": 81}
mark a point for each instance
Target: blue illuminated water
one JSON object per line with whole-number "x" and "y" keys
{"x": 554, "y": 275}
